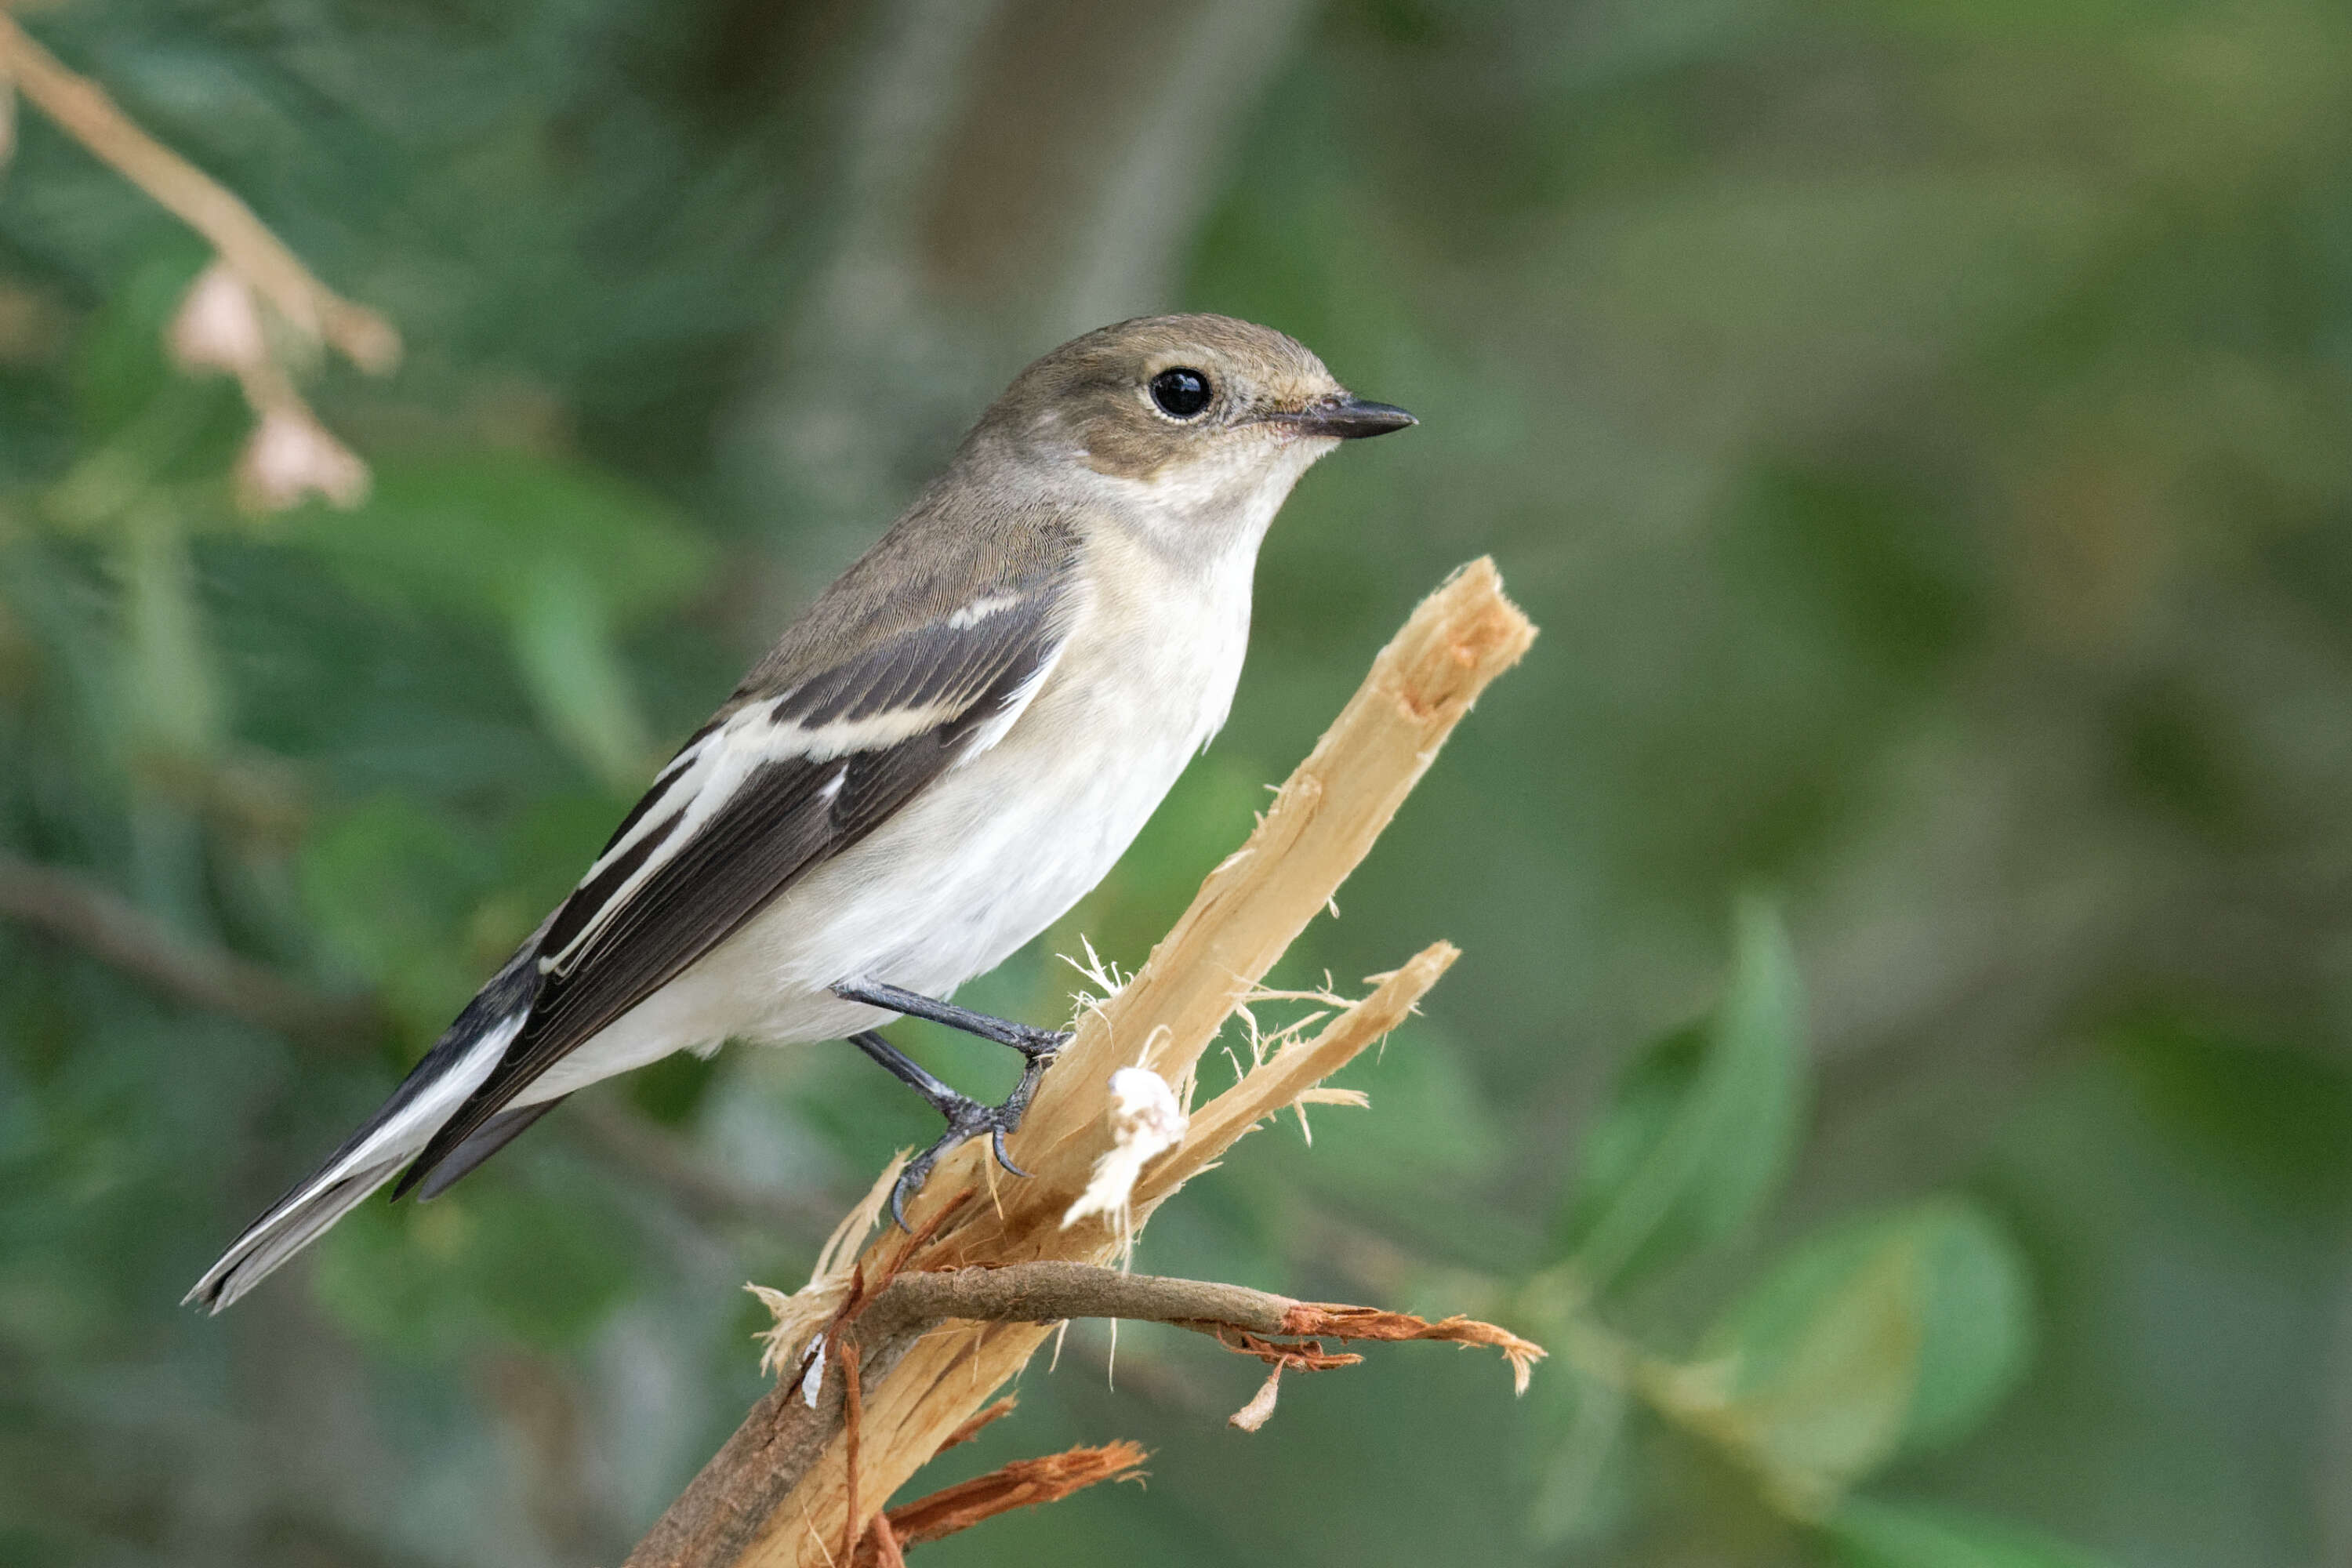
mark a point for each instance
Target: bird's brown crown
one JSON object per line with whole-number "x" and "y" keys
{"x": 1136, "y": 397}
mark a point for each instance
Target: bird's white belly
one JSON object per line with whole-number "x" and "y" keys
{"x": 982, "y": 859}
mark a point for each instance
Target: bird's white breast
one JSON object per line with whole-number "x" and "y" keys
{"x": 998, "y": 847}
{"x": 1002, "y": 845}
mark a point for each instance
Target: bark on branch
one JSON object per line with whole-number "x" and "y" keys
{"x": 1052, "y": 1291}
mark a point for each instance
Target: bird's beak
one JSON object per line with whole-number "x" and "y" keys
{"x": 1347, "y": 417}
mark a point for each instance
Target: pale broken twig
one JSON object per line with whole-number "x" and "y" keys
{"x": 777, "y": 1492}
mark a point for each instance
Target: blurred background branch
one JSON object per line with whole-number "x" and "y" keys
{"x": 117, "y": 932}
{"x": 111, "y": 928}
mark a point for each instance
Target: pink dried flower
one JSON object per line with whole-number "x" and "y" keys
{"x": 290, "y": 457}
{"x": 218, "y": 326}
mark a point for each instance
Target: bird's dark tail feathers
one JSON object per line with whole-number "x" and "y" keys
{"x": 400, "y": 1129}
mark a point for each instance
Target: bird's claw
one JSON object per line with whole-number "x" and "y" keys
{"x": 909, "y": 1183}
{"x": 1041, "y": 1045}
{"x": 968, "y": 1119}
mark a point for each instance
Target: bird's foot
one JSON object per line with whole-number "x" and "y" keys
{"x": 967, "y": 1118}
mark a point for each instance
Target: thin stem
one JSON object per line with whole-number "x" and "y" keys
{"x": 83, "y": 110}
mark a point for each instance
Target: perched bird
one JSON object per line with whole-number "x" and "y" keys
{"x": 951, "y": 747}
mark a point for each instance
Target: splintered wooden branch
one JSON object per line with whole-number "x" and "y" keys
{"x": 782, "y": 1491}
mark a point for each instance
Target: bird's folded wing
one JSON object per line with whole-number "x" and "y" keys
{"x": 775, "y": 786}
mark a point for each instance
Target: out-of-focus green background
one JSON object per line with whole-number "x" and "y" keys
{"x": 1922, "y": 430}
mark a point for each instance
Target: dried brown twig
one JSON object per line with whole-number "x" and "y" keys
{"x": 1024, "y": 1483}
{"x": 83, "y": 110}
{"x": 218, "y": 328}
{"x": 782, "y": 1491}
{"x": 1053, "y": 1292}
{"x": 1287, "y": 1334}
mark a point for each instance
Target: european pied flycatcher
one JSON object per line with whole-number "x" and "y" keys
{"x": 938, "y": 760}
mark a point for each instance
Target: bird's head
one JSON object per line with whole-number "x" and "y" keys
{"x": 1199, "y": 420}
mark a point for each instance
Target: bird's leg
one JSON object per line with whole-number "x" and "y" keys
{"x": 967, "y": 1118}
{"x": 1026, "y": 1038}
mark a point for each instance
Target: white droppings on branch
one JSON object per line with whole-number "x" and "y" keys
{"x": 1146, "y": 1121}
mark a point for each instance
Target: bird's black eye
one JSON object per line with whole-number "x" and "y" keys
{"x": 1181, "y": 393}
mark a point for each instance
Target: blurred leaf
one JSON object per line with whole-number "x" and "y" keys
{"x": 170, "y": 670}
{"x": 391, "y": 887}
{"x": 1868, "y": 1533}
{"x": 1695, "y": 1141}
{"x": 2274, "y": 1122}
{"x": 1977, "y": 1330}
{"x": 478, "y": 536}
{"x": 1816, "y": 1385}
{"x": 1582, "y": 1480}
{"x": 1885, "y": 1335}
{"x": 563, "y": 645}
{"x": 421, "y": 1278}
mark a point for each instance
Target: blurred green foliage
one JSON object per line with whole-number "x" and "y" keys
{"x": 1920, "y": 430}
{"x": 1697, "y": 1136}
{"x": 1888, "y": 1333}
